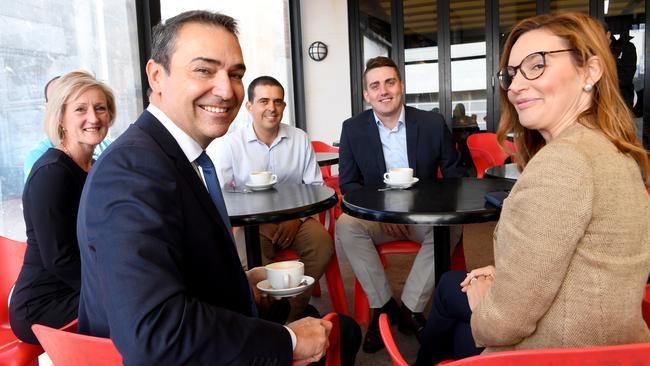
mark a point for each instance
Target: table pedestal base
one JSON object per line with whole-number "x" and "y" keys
{"x": 253, "y": 249}
{"x": 441, "y": 250}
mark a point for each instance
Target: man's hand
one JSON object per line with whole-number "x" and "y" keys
{"x": 312, "y": 339}
{"x": 395, "y": 230}
{"x": 254, "y": 276}
{"x": 268, "y": 230}
{"x": 286, "y": 232}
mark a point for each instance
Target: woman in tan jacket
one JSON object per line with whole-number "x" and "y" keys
{"x": 572, "y": 247}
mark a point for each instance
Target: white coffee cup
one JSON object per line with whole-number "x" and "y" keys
{"x": 283, "y": 275}
{"x": 399, "y": 175}
{"x": 264, "y": 177}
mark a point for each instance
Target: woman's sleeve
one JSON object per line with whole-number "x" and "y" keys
{"x": 542, "y": 221}
{"x": 53, "y": 203}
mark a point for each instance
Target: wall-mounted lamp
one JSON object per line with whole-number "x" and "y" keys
{"x": 318, "y": 51}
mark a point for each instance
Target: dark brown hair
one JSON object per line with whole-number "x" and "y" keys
{"x": 377, "y": 62}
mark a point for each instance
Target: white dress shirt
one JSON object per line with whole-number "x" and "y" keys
{"x": 393, "y": 142}
{"x": 290, "y": 157}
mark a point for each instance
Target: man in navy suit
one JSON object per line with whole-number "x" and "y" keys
{"x": 391, "y": 135}
{"x": 160, "y": 273}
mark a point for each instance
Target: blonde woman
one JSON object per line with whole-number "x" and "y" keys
{"x": 47, "y": 290}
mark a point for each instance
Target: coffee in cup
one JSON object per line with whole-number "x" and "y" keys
{"x": 283, "y": 275}
{"x": 399, "y": 175}
{"x": 264, "y": 177}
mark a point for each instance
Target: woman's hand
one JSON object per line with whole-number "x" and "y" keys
{"x": 476, "y": 273}
{"x": 476, "y": 289}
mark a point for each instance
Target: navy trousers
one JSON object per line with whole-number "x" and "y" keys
{"x": 448, "y": 333}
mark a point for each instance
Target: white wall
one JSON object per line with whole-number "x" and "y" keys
{"x": 327, "y": 83}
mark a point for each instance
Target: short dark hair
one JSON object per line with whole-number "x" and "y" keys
{"x": 47, "y": 85}
{"x": 262, "y": 80}
{"x": 165, "y": 33}
{"x": 379, "y": 61}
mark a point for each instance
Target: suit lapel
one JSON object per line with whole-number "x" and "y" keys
{"x": 148, "y": 123}
{"x": 375, "y": 143}
{"x": 411, "y": 138}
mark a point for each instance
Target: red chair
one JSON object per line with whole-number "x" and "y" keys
{"x": 622, "y": 355}
{"x": 13, "y": 352}
{"x": 389, "y": 341}
{"x": 361, "y": 307}
{"x": 645, "y": 306}
{"x": 330, "y": 180}
{"x": 333, "y": 356}
{"x": 67, "y": 348}
{"x": 486, "y": 152}
{"x": 332, "y": 271}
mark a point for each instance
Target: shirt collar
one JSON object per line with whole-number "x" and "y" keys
{"x": 190, "y": 148}
{"x": 400, "y": 121}
{"x": 250, "y": 136}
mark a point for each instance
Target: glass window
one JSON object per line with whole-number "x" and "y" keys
{"x": 265, "y": 39}
{"x": 39, "y": 41}
{"x": 421, "y": 54}
{"x": 375, "y": 31}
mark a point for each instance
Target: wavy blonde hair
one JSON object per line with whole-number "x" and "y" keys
{"x": 68, "y": 87}
{"x": 607, "y": 112}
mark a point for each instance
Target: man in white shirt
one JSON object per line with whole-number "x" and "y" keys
{"x": 269, "y": 145}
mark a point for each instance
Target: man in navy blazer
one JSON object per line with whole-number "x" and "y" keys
{"x": 160, "y": 272}
{"x": 391, "y": 135}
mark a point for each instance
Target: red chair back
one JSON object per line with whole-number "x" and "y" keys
{"x": 333, "y": 356}
{"x": 13, "y": 352}
{"x": 623, "y": 355}
{"x": 12, "y": 254}
{"x": 66, "y": 348}
{"x": 389, "y": 341}
{"x": 485, "y": 151}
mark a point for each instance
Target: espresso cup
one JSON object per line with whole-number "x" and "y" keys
{"x": 399, "y": 175}
{"x": 264, "y": 177}
{"x": 283, "y": 275}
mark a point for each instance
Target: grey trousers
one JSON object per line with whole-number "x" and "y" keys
{"x": 356, "y": 239}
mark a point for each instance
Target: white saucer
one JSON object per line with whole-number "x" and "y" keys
{"x": 401, "y": 185}
{"x": 263, "y": 186}
{"x": 266, "y": 288}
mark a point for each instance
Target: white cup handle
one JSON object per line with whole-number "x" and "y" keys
{"x": 274, "y": 177}
{"x": 386, "y": 176}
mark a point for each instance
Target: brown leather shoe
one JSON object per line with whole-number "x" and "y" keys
{"x": 372, "y": 342}
{"x": 410, "y": 322}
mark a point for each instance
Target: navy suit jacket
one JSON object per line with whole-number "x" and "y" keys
{"x": 160, "y": 273}
{"x": 429, "y": 145}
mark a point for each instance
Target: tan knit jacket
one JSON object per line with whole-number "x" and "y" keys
{"x": 572, "y": 251}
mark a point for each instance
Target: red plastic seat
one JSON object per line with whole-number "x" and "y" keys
{"x": 361, "y": 307}
{"x": 645, "y": 306}
{"x": 486, "y": 152}
{"x": 333, "y": 356}
{"x": 67, "y": 348}
{"x": 332, "y": 271}
{"x": 389, "y": 341}
{"x": 330, "y": 180}
{"x": 621, "y": 355}
{"x": 13, "y": 352}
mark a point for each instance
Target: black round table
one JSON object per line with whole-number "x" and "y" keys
{"x": 438, "y": 203}
{"x": 507, "y": 171}
{"x": 327, "y": 158}
{"x": 280, "y": 203}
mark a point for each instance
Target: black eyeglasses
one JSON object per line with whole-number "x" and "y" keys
{"x": 531, "y": 67}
